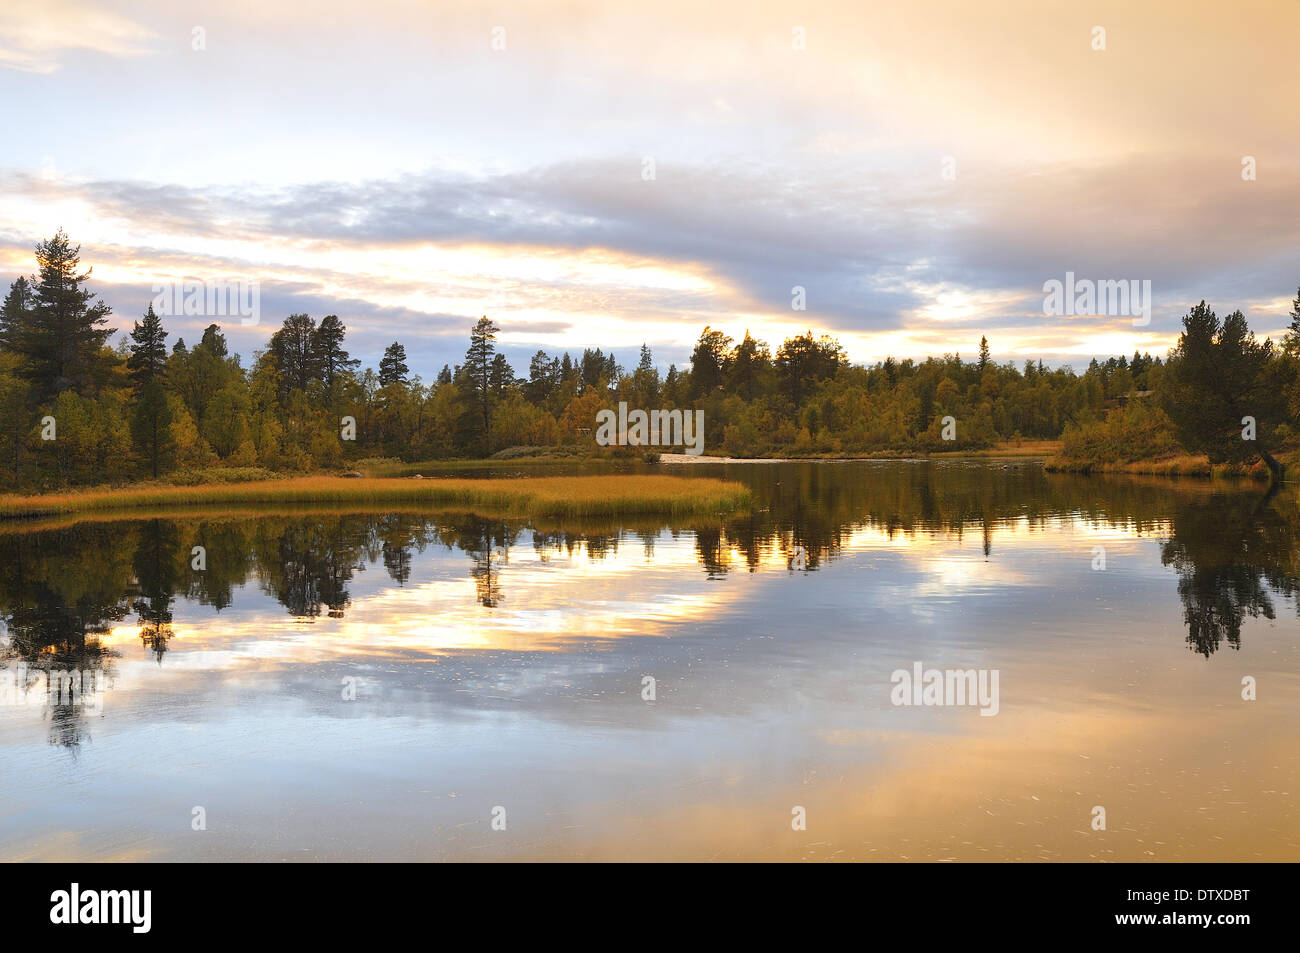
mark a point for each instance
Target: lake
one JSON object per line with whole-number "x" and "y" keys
{"x": 320, "y": 684}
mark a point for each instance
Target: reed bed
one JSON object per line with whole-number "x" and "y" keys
{"x": 1178, "y": 465}
{"x": 556, "y": 496}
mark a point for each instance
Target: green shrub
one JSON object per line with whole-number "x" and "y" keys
{"x": 1137, "y": 431}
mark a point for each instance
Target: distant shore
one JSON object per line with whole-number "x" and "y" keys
{"x": 1026, "y": 448}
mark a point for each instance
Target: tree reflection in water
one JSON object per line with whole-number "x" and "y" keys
{"x": 59, "y": 594}
{"x": 1234, "y": 550}
{"x": 1232, "y": 553}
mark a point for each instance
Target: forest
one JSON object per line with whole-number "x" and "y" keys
{"x": 77, "y": 407}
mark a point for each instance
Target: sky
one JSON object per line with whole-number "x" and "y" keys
{"x": 608, "y": 174}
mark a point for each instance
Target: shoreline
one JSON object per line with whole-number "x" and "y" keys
{"x": 1181, "y": 466}
{"x": 684, "y": 458}
{"x": 1026, "y": 450}
{"x": 543, "y": 496}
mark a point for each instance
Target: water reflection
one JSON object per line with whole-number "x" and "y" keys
{"x": 157, "y": 581}
{"x": 1231, "y": 554}
{"x": 58, "y": 600}
{"x": 501, "y": 659}
{"x": 1232, "y": 549}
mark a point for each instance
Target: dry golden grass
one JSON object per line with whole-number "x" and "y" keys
{"x": 1186, "y": 464}
{"x": 559, "y": 496}
{"x": 1009, "y": 448}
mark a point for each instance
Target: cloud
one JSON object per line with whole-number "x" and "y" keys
{"x": 870, "y": 253}
{"x": 590, "y": 249}
{"x": 436, "y": 177}
{"x": 35, "y": 33}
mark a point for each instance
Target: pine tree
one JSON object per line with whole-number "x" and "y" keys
{"x": 803, "y": 361}
{"x": 596, "y": 366}
{"x": 542, "y": 377}
{"x": 15, "y": 312}
{"x": 1219, "y": 376}
{"x": 502, "y": 377}
{"x": 1291, "y": 342}
{"x": 148, "y": 349}
{"x": 709, "y": 361}
{"x": 61, "y": 344}
{"x": 670, "y": 385}
{"x": 151, "y": 417}
{"x": 478, "y": 368}
{"x": 292, "y": 348}
{"x": 645, "y": 379}
{"x": 327, "y": 344}
{"x": 392, "y": 367}
{"x": 214, "y": 342}
{"x": 748, "y": 365}
{"x": 151, "y": 421}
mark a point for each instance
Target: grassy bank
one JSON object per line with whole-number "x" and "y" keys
{"x": 1177, "y": 465}
{"x": 396, "y": 468}
{"x": 1009, "y": 448}
{"x": 559, "y": 496}
{"x": 1139, "y": 438}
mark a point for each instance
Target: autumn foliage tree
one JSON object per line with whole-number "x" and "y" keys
{"x": 305, "y": 404}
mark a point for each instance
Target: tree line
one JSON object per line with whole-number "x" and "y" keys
{"x": 76, "y": 409}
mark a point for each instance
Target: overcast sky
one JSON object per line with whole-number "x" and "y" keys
{"x": 389, "y": 163}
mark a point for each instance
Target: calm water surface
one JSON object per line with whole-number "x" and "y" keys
{"x": 501, "y": 664}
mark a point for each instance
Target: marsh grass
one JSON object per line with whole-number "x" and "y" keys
{"x": 552, "y": 497}
{"x": 395, "y": 468}
{"x": 1025, "y": 447}
{"x": 1182, "y": 464}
